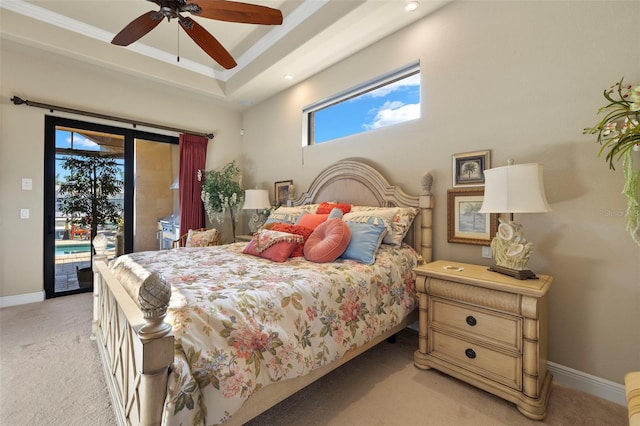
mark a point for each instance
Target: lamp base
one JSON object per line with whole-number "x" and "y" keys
{"x": 515, "y": 273}
{"x": 255, "y": 222}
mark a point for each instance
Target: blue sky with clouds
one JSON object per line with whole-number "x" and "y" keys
{"x": 390, "y": 104}
{"x": 63, "y": 140}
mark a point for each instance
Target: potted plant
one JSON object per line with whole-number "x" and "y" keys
{"x": 88, "y": 193}
{"x": 222, "y": 193}
{"x": 619, "y": 135}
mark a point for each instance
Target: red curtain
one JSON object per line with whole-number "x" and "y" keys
{"x": 193, "y": 155}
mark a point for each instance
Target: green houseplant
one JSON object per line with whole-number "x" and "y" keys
{"x": 87, "y": 196}
{"x": 221, "y": 193}
{"x": 618, "y": 133}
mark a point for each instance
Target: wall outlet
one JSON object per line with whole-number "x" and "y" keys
{"x": 486, "y": 252}
{"x": 24, "y": 213}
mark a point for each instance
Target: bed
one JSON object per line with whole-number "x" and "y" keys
{"x": 145, "y": 302}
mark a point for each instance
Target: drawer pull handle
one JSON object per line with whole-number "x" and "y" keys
{"x": 471, "y": 321}
{"x": 470, "y": 353}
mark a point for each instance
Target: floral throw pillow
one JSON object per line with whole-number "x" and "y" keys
{"x": 201, "y": 238}
{"x": 273, "y": 245}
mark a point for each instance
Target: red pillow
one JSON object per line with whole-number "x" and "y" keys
{"x": 328, "y": 241}
{"x": 272, "y": 245}
{"x": 294, "y": 229}
{"x": 311, "y": 220}
{"x": 326, "y": 207}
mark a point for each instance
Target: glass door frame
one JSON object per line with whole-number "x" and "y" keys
{"x": 48, "y": 230}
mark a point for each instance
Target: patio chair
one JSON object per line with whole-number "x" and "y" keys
{"x": 203, "y": 237}
{"x": 80, "y": 232}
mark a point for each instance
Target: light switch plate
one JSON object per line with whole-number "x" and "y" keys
{"x": 24, "y": 213}
{"x": 486, "y": 252}
{"x": 27, "y": 184}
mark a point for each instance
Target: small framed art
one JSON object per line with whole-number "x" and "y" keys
{"x": 468, "y": 168}
{"x": 464, "y": 222}
{"x": 281, "y": 191}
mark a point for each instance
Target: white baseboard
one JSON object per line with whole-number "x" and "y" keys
{"x": 21, "y": 299}
{"x": 602, "y": 388}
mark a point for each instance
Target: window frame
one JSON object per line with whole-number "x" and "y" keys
{"x": 386, "y": 79}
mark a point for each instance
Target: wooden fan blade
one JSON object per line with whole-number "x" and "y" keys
{"x": 137, "y": 28}
{"x": 231, "y": 11}
{"x": 207, "y": 42}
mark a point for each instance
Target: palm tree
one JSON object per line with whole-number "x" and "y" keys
{"x": 473, "y": 210}
{"x": 469, "y": 168}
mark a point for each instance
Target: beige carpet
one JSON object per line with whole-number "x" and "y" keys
{"x": 50, "y": 374}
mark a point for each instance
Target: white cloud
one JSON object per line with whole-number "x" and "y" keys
{"x": 392, "y": 113}
{"x": 412, "y": 81}
{"x": 82, "y": 142}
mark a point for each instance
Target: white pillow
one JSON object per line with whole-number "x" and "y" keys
{"x": 374, "y": 216}
{"x": 400, "y": 222}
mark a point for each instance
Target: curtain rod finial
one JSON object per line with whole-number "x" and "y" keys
{"x": 18, "y": 100}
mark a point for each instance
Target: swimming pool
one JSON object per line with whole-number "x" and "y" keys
{"x": 76, "y": 248}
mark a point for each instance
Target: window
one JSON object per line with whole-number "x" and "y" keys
{"x": 389, "y": 99}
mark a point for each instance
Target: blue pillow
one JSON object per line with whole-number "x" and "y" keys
{"x": 335, "y": 213}
{"x": 365, "y": 240}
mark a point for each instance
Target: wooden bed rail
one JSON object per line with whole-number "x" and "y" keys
{"x": 135, "y": 344}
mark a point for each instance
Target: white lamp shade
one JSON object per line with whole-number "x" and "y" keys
{"x": 256, "y": 199}
{"x": 516, "y": 188}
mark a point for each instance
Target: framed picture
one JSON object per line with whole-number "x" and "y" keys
{"x": 464, "y": 224}
{"x": 468, "y": 168}
{"x": 281, "y": 189}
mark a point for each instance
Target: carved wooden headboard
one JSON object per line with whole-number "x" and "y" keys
{"x": 356, "y": 183}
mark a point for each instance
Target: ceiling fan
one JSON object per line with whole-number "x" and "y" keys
{"x": 221, "y": 10}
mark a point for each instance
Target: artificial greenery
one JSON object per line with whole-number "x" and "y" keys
{"x": 89, "y": 189}
{"x": 222, "y": 192}
{"x": 619, "y": 135}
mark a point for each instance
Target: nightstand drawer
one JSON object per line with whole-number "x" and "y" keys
{"x": 477, "y": 322}
{"x": 500, "y": 367}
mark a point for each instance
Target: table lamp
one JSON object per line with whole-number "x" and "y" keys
{"x": 257, "y": 200}
{"x": 516, "y": 188}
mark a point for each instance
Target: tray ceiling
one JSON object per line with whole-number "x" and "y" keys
{"x": 314, "y": 35}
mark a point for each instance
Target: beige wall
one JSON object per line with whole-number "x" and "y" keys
{"x": 42, "y": 77}
{"x": 153, "y": 194}
{"x": 522, "y": 79}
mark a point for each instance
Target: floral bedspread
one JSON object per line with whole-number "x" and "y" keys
{"x": 241, "y": 322}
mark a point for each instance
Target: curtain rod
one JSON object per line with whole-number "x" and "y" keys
{"x": 19, "y": 101}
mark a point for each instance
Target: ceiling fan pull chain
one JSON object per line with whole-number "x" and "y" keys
{"x": 178, "y": 29}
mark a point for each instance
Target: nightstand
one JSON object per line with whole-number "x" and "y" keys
{"x": 487, "y": 329}
{"x": 245, "y": 238}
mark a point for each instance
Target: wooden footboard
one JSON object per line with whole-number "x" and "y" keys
{"x": 135, "y": 345}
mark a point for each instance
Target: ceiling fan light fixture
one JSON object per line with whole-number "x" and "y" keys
{"x": 169, "y": 12}
{"x": 411, "y": 6}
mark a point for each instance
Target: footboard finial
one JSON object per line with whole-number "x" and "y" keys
{"x": 153, "y": 298}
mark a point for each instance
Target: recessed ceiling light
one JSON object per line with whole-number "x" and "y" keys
{"x": 412, "y": 5}
{"x": 288, "y": 77}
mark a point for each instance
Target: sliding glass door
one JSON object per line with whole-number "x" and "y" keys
{"x": 90, "y": 181}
